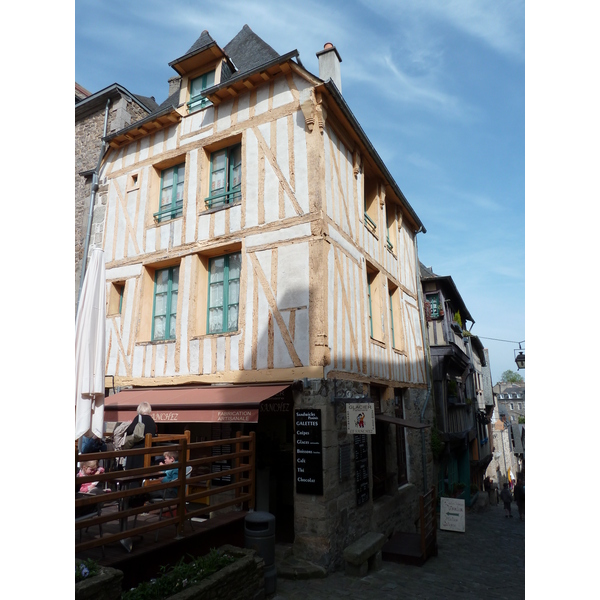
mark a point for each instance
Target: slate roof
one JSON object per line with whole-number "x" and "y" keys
{"x": 203, "y": 41}
{"x": 150, "y": 102}
{"x": 248, "y": 51}
{"x": 98, "y": 99}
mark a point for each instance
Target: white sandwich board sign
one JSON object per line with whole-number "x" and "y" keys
{"x": 452, "y": 514}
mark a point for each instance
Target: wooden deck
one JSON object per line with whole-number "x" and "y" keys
{"x": 207, "y": 512}
{"x": 148, "y": 555}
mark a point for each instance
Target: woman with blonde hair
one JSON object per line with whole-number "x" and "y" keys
{"x": 144, "y": 411}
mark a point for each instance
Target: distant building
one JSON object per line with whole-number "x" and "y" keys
{"x": 509, "y": 435}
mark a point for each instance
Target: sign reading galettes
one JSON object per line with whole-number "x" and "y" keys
{"x": 309, "y": 452}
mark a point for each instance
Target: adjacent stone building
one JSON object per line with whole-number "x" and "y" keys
{"x": 261, "y": 262}
{"x": 113, "y": 107}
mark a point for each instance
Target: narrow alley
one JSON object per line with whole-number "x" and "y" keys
{"x": 487, "y": 561}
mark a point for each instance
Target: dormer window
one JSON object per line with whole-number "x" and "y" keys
{"x": 197, "y": 87}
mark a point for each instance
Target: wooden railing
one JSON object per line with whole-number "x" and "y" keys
{"x": 197, "y": 489}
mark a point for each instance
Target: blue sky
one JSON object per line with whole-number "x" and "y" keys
{"x": 437, "y": 85}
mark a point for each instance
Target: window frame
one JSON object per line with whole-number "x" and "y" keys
{"x": 231, "y": 194}
{"x": 175, "y": 210}
{"x": 199, "y": 101}
{"x": 226, "y": 284}
{"x": 169, "y": 314}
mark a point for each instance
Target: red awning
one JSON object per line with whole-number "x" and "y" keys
{"x": 203, "y": 404}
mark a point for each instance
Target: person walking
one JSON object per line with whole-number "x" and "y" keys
{"x": 520, "y": 498}
{"x": 506, "y": 497}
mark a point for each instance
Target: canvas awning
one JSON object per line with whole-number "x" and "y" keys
{"x": 201, "y": 404}
{"x": 401, "y": 422}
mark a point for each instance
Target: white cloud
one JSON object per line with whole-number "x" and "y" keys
{"x": 498, "y": 24}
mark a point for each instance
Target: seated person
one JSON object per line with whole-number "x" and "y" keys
{"x": 88, "y": 468}
{"x": 169, "y": 458}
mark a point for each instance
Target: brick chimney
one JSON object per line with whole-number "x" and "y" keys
{"x": 329, "y": 65}
{"x": 174, "y": 85}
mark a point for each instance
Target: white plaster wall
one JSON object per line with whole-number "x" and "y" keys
{"x": 137, "y": 367}
{"x": 159, "y": 138}
{"x": 148, "y": 363}
{"x": 171, "y": 137}
{"x": 123, "y": 272}
{"x": 150, "y": 240}
{"x": 262, "y": 100}
{"x": 243, "y": 111}
{"x": 130, "y": 152}
{"x": 207, "y": 356}
{"x": 165, "y": 234}
{"x": 271, "y": 194}
{"x": 144, "y": 146}
{"x": 235, "y": 218}
{"x": 285, "y": 234}
{"x": 281, "y": 93}
{"x": 219, "y": 223}
{"x": 247, "y": 308}
{"x": 300, "y": 161}
{"x": 192, "y": 205}
{"x": 251, "y": 176}
{"x": 194, "y": 356}
{"x": 224, "y": 115}
{"x": 203, "y": 226}
{"x": 121, "y": 223}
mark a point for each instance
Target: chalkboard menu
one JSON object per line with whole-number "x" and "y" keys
{"x": 361, "y": 460}
{"x": 309, "y": 452}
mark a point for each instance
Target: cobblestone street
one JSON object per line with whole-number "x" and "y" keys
{"x": 487, "y": 561}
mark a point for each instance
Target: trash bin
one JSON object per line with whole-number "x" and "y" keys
{"x": 259, "y": 534}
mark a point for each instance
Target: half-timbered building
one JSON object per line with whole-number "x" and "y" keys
{"x": 262, "y": 273}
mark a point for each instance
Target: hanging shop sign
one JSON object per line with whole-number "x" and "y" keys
{"x": 360, "y": 418}
{"x": 361, "y": 461}
{"x": 309, "y": 451}
{"x": 452, "y": 514}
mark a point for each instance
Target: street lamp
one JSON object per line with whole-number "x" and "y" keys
{"x": 520, "y": 358}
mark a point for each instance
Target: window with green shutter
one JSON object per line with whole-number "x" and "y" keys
{"x": 223, "y": 293}
{"x": 171, "y": 193}
{"x": 434, "y": 303}
{"x": 197, "y": 86}
{"x": 164, "y": 311}
{"x": 225, "y": 176}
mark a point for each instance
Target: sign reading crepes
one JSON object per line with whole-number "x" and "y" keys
{"x": 360, "y": 418}
{"x": 309, "y": 452}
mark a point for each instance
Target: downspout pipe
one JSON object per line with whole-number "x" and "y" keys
{"x": 92, "y": 201}
{"x": 428, "y": 360}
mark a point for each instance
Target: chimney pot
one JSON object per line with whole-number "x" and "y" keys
{"x": 329, "y": 65}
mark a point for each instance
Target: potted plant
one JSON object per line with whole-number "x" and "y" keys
{"x": 459, "y": 488}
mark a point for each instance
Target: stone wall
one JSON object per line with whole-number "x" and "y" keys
{"x": 325, "y": 525}
{"x": 88, "y": 142}
{"x": 242, "y": 580}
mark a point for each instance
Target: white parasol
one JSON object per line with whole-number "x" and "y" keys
{"x": 90, "y": 349}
